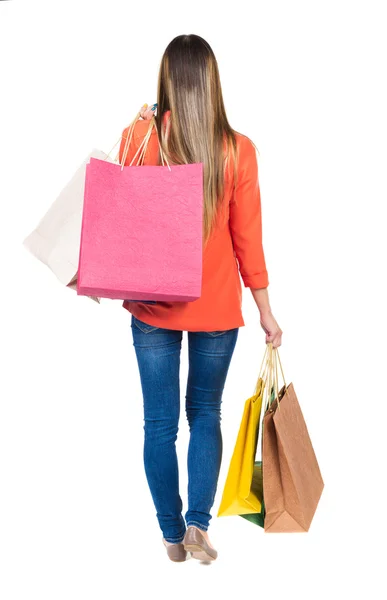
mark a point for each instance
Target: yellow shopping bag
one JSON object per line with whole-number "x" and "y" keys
{"x": 240, "y": 495}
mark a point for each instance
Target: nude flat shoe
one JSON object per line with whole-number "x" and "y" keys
{"x": 176, "y": 552}
{"x": 196, "y": 543}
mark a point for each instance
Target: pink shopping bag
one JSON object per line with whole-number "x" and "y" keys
{"x": 141, "y": 235}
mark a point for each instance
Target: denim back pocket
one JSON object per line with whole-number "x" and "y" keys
{"x": 144, "y": 327}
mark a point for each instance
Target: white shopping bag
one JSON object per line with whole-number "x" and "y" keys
{"x": 56, "y": 239}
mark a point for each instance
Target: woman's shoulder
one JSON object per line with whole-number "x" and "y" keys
{"x": 246, "y": 151}
{"x": 245, "y": 144}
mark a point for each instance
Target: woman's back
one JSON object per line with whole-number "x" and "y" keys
{"x": 235, "y": 238}
{"x": 197, "y": 130}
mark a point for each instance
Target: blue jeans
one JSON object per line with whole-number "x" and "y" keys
{"x": 158, "y": 356}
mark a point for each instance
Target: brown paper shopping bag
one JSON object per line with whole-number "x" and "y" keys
{"x": 292, "y": 481}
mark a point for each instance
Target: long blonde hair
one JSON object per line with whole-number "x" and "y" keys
{"x": 189, "y": 86}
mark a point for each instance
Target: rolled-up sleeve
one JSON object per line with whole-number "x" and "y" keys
{"x": 245, "y": 219}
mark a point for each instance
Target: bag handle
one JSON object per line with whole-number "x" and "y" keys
{"x": 272, "y": 373}
{"x": 143, "y": 146}
{"x": 276, "y": 361}
{"x": 264, "y": 381}
{"x": 131, "y": 125}
{"x": 269, "y": 375}
{"x": 262, "y": 375}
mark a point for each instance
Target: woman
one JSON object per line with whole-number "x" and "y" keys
{"x": 192, "y": 127}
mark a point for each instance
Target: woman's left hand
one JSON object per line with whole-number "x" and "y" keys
{"x": 147, "y": 112}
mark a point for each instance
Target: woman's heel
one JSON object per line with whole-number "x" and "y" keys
{"x": 196, "y": 543}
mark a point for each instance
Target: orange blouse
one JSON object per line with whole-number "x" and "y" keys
{"x": 233, "y": 250}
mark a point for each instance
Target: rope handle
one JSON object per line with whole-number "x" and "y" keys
{"x": 265, "y": 378}
{"x": 270, "y": 386}
{"x": 275, "y": 385}
{"x": 264, "y": 375}
{"x": 268, "y": 376}
{"x": 143, "y": 146}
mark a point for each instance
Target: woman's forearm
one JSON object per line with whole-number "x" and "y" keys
{"x": 261, "y": 298}
{"x": 267, "y": 320}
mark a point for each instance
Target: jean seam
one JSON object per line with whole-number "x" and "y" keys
{"x": 196, "y": 523}
{"x": 174, "y": 540}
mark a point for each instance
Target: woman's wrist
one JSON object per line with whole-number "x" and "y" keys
{"x": 261, "y": 298}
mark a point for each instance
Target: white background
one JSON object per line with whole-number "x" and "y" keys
{"x": 305, "y": 81}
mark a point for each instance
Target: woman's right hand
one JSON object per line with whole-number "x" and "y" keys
{"x": 271, "y": 328}
{"x": 147, "y": 112}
